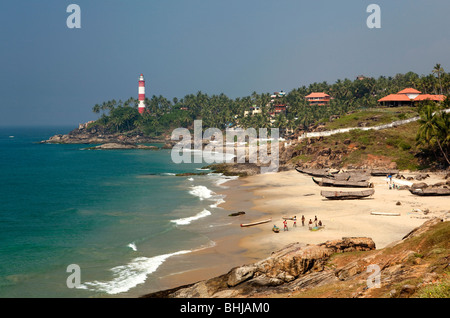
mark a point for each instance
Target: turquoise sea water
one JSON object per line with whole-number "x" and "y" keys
{"x": 119, "y": 215}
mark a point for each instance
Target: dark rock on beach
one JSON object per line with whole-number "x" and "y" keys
{"x": 237, "y": 213}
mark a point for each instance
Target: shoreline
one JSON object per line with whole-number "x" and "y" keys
{"x": 290, "y": 193}
{"x": 227, "y": 252}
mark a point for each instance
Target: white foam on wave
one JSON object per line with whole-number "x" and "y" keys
{"x": 130, "y": 275}
{"x": 202, "y": 192}
{"x": 220, "y": 179}
{"x": 132, "y": 246}
{"x": 191, "y": 179}
{"x": 188, "y": 220}
{"x": 218, "y": 202}
{"x": 168, "y": 174}
{"x": 225, "y": 179}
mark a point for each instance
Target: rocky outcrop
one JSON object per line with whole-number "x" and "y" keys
{"x": 115, "y": 146}
{"x": 286, "y": 266}
{"x": 419, "y": 260}
{"x": 98, "y": 135}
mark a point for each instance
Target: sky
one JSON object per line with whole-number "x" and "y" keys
{"x": 52, "y": 75}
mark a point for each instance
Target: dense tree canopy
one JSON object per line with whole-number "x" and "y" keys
{"x": 163, "y": 115}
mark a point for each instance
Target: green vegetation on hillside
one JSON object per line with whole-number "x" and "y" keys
{"x": 372, "y": 117}
{"x": 395, "y": 144}
{"x": 220, "y": 111}
{"x": 354, "y": 103}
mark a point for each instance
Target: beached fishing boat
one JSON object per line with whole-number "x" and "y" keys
{"x": 430, "y": 191}
{"x": 328, "y": 182}
{"x": 256, "y": 223}
{"x": 350, "y": 177}
{"x": 383, "y": 172}
{"x": 289, "y": 218}
{"x": 317, "y": 172}
{"x": 347, "y": 195}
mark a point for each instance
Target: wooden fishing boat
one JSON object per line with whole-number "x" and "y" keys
{"x": 289, "y": 218}
{"x": 430, "y": 191}
{"x": 328, "y": 182}
{"x": 383, "y": 172}
{"x": 317, "y": 172}
{"x": 256, "y": 223}
{"x": 347, "y": 195}
{"x": 350, "y": 177}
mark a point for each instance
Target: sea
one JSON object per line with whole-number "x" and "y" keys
{"x": 97, "y": 223}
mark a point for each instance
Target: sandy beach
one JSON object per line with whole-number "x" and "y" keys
{"x": 290, "y": 193}
{"x": 293, "y": 194}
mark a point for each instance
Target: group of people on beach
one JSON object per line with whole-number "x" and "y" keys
{"x": 391, "y": 183}
{"x": 317, "y": 223}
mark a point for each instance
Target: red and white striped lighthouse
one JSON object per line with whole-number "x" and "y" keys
{"x": 141, "y": 105}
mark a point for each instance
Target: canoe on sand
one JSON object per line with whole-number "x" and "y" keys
{"x": 383, "y": 172}
{"x": 326, "y": 182}
{"x": 317, "y": 172}
{"x": 430, "y": 191}
{"x": 256, "y": 223}
{"x": 347, "y": 195}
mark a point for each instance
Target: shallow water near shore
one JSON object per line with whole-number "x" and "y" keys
{"x": 122, "y": 216}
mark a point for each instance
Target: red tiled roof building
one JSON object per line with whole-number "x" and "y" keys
{"x": 407, "y": 97}
{"x": 319, "y": 99}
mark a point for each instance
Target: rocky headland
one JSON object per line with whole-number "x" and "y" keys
{"x": 98, "y": 135}
{"x": 414, "y": 266}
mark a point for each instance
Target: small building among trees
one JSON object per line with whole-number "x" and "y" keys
{"x": 408, "y": 97}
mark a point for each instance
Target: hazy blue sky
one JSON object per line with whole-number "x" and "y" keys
{"x": 50, "y": 74}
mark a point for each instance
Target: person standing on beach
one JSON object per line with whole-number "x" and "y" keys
{"x": 285, "y": 225}
{"x": 303, "y": 220}
{"x": 315, "y": 219}
{"x": 310, "y": 224}
{"x": 295, "y": 221}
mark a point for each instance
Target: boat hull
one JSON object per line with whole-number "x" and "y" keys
{"x": 342, "y": 184}
{"x": 316, "y": 172}
{"x": 430, "y": 192}
{"x": 347, "y": 195}
{"x": 256, "y": 223}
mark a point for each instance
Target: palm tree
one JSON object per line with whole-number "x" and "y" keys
{"x": 438, "y": 70}
{"x": 96, "y": 108}
{"x": 434, "y": 129}
{"x": 443, "y": 133}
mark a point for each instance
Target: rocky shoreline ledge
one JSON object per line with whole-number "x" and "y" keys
{"x": 337, "y": 268}
{"x": 114, "y": 146}
{"x": 97, "y": 135}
